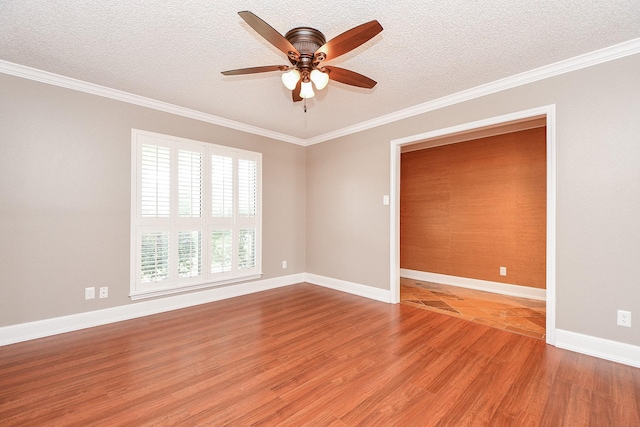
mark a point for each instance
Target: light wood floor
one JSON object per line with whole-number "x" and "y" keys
{"x": 520, "y": 315}
{"x": 305, "y": 355}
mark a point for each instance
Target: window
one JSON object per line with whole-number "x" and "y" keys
{"x": 195, "y": 215}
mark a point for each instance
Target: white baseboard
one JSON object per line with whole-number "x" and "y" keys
{"x": 370, "y": 292}
{"x": 614, "y": 351}
{"x": 480, "y": 285}
{"x": 43, "y": 328}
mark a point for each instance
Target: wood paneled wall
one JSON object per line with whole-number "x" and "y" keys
{"x": 468, "y": 208}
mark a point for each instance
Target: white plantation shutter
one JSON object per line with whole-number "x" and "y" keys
{"x": 247, "y": 242}
{"x": 189, "y": 184}
{"x": 155, "y": 181}
{"x": 247, "y": 249}
{"x": 196, "y": 215}
{"x": 221, "y": 251}
{"x": 154, "y": 262}
{"x": 247, "y": 188}
{"x": 189, "y": 253}
{"x": 221, "y": 186}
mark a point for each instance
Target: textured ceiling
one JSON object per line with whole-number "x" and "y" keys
{"x": 173, "y": 51}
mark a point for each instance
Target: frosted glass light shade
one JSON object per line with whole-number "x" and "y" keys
{"x": 319, "y": 78}
{"x": 306, "y": 90}
{"x": 290, "y": 79}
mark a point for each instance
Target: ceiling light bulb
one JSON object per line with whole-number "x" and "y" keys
{"x": 290, "y": 79}
{"x": 319, "y": 78}
{"x": 306, "y": 90}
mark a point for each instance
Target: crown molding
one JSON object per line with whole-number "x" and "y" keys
{"x": 611, "y": 53}
{"x": 94, "y": 89}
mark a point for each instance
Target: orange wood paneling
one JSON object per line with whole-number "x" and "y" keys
{"x": 468, "y": 208}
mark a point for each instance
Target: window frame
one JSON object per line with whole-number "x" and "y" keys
{"x": 206, "y": 223}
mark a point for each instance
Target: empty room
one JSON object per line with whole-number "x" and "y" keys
{"x": 342, "y": 213}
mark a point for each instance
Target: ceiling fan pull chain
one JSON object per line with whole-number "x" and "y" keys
{"x": 305, "y": 105}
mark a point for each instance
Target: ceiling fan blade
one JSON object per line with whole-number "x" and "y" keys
{"x": 349, "y": 77}
{"x": 253, "y": 70}
{"x": 270, "y": 34}
{"x": 295, "y": 94}
{"x": 350, "y": 39}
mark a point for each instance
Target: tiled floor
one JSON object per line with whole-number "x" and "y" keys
{"x": 520, "y": 315}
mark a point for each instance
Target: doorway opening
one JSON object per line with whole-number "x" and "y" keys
{"x": 480, "y": 129}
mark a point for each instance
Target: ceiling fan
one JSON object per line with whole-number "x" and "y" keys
{"x": 307, "y": 49}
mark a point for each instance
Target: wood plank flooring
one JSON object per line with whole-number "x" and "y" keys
{"x": 305, "y": 355}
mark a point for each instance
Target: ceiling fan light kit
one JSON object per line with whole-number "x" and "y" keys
{"x": 306, "y": 90}
{"x": 290, "y": 78}
{"x": 306, "y": 49}
{"x": 319, "y": 78}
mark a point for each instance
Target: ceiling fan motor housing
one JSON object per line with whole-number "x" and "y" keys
{"x": 307, "y": 40}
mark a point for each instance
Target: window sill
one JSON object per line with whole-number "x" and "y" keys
{"x": 152, "y": 293}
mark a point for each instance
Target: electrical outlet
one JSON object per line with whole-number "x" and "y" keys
{"x": 624, "y": 318}
{"x": 89, "y": 293}
{"x": 503, "y": 271}
{"x": 284, "y": 264}
{"x": 104, "y": 292}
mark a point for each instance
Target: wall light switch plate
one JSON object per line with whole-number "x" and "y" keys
{"x": 89, "y": 293}
{"x": 385, "y": 200}
{"x": 503, "y": 271}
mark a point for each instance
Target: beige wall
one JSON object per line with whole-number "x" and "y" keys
{"x": 347, "y": 225}
{"x": 598, "y": 193}
{"x": 65, "y": 197}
